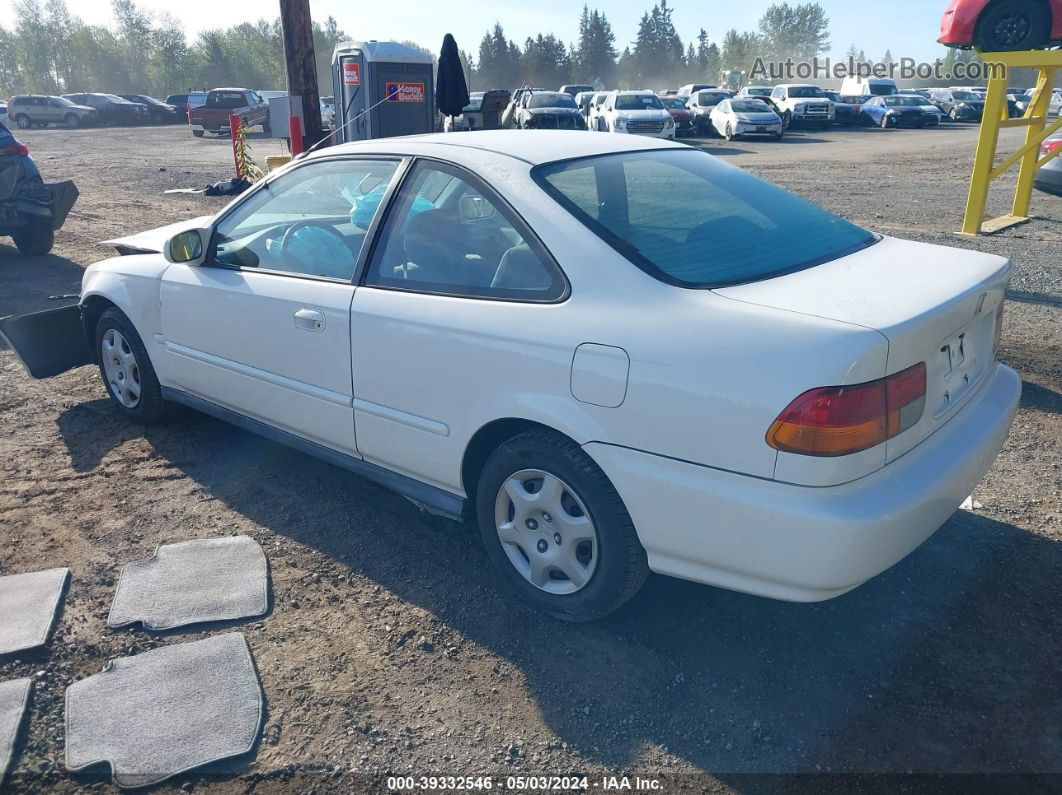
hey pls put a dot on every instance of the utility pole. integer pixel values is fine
(301, 65)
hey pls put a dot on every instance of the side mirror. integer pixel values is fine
(188, 246)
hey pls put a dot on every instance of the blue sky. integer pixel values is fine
(906, 27)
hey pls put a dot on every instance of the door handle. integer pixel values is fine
(310, 320)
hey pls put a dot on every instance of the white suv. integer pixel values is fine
(802, 103)
(635, 112)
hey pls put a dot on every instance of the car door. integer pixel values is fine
(262, 327)
(459, 292)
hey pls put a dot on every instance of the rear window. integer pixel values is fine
(694, 221)
(226, 99)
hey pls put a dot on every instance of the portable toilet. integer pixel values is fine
(382, 89)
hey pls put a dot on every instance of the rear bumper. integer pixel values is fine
(1049, 180)
(807, 544)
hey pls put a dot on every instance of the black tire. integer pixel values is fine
(953, 114)
(787, 119)
(23, 121)
(72, 120)
(621, 566)
(36, 238)
(729, 132)
(1013, 25)
(198, 133)
(266, 129)
(151, 407)
(885, 122)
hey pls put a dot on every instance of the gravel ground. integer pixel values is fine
(389, 647)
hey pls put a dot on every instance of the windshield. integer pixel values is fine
(904, 102)
(758, 92)
(638, 102)
(690, 219)
(749, 106)
(964, 95)
(671, 102)
(803, 92)
(544, 100)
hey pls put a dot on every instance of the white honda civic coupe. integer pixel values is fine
(619, 355)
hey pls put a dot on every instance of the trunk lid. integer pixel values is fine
(932, 303)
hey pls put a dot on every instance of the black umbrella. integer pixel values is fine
(451, 91)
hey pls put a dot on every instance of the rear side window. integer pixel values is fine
(695, 221)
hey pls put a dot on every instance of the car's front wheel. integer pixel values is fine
(126, 369)
(73, 121)
(556, 529)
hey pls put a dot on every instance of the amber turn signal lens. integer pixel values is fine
(841, 420)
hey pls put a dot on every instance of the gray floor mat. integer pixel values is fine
(160, 713)
(28, 604)
(14, 698)
(210, 579)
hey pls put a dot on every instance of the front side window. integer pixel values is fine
(311, 221)
(446, 234)
(692, 220)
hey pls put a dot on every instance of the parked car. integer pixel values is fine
(736, 118)
(700, 374)
(187, 101)
(701, 105)
(25, 110)
(221, 103)
(682, 116)
(552, 110)
(594, 109)
(933, 114)
(914, 92)
(1049, 175)
(959, 105)
(158, 112)
(897, 111)
(112, 109)
(758, 92)
(1054, 107)
(582, 101)
(576, 88)
(30, 211)
(467, 119)
(636, 113)
(803, 104)
(844, 112)
(874, 86)
(1002, 25)
(692, 88)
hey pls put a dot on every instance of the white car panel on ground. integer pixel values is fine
(511, 341)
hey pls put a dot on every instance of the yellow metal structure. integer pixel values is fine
(995, 118)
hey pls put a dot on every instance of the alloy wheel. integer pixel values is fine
(121, 368)
(546, 531)
(1012, 29)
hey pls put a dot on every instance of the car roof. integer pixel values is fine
(531, 146)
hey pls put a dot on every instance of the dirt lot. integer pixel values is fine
(389, 646)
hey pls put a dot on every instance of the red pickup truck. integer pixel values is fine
(213, 115)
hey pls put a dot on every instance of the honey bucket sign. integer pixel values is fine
(351, 73)
(404, 92)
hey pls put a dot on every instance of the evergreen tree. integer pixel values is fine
(595, 52)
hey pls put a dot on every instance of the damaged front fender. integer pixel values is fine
(48, 343)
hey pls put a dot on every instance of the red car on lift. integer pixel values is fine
(1002, 25)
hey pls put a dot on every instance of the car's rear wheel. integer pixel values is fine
(23, 121)
(36, 238)
(72, 120)
(126, 369)
(556, 529)
(1013, 25)
(729, 131)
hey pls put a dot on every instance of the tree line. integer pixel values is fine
(48, 49)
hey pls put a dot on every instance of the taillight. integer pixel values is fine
(1047, 147)
(841, 420)
(15, 149)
